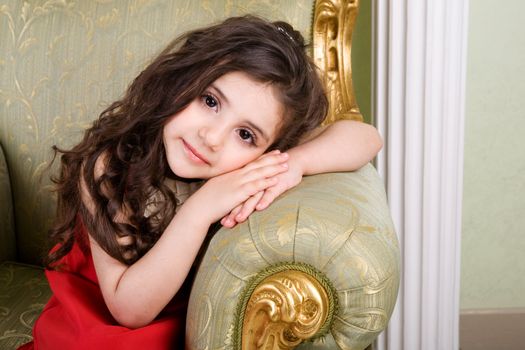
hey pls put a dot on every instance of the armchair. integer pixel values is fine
(318, 269)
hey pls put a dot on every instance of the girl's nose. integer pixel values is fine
(212, 136)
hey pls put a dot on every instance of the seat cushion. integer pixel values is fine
(23, 293)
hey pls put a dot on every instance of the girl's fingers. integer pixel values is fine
(229, 220)
(251, 188)
(266, 160)
(248, 207)
(268, 197)
(242, 211)
(265, 172)
(233, 214)
(274, 152)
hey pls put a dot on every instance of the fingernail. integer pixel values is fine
(285, 155)
(284, 165)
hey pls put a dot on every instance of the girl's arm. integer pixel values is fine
(345, 145)
(136, 294)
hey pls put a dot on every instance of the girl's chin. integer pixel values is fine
(187, 175)
(180, 170)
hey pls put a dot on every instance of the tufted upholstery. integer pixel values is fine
(62, 62)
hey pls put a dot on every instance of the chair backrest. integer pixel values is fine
(62, 63)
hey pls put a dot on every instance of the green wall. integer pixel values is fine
(493, 242)
(493, 232)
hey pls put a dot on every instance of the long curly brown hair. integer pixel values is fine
(129, 132)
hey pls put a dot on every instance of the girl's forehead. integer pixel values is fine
(250, 100)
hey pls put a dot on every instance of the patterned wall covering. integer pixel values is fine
(63, 61)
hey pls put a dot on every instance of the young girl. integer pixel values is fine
(220, 104)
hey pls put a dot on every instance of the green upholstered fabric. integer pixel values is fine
(62, 62)
(340, 224)
(7, 226)
(23, 293)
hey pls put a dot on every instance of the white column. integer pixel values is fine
(419, 92)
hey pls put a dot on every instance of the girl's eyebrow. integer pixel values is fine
(220, 93)
(250, 124)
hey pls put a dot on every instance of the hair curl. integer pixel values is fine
(128, 134)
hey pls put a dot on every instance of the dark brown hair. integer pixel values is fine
(128, 134)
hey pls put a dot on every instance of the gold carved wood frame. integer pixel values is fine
(333, 26)
(289, 307)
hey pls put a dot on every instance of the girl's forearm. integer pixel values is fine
(148, 285)
(136, 294)
(343, 146)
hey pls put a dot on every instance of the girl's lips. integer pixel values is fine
(193, 154)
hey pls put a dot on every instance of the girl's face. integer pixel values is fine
(231, 124)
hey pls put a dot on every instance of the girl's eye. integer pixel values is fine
(210, 101)
(247, 136)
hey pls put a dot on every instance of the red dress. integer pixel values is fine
(76, 316)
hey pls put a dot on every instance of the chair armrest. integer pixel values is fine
(333, 228)
(7, 225)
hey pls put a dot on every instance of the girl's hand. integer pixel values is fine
(262, 199)
(219, 195)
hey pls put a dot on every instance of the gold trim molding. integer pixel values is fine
(334, 22)
(285, 309)
(291, 306)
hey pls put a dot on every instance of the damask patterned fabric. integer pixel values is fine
(23, 293)
(63, 61)
(338, 223)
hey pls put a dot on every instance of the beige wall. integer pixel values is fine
(493, 242)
